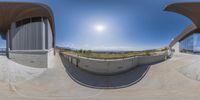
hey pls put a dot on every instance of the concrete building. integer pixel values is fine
(28, 29)
(189, 39)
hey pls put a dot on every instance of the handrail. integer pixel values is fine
(2, 50)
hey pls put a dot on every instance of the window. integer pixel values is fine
(18, 23)
(36, 19)
(191, 43)
(28, 20)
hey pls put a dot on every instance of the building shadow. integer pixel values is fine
(91, 80)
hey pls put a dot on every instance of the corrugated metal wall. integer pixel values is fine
(31, 36)
(49, 35)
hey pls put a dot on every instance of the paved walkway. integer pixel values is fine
(162, 81)
(15, 73)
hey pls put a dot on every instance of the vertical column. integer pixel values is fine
(7, 43)
(43, 34)
(46, 33)
(11, 35)
(49, 35)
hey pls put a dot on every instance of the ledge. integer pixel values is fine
(112, 66)
(30, 51)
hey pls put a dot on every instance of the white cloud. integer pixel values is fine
(69, 44)
(114, 48)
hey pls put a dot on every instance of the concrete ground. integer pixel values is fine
(172, 79)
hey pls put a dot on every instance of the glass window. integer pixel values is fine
(191, 43)
(36, 19)
(196, 42)
(28, 20)
(18, 23)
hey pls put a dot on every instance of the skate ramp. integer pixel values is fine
(115, 81)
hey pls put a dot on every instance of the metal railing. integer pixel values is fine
(2, 51)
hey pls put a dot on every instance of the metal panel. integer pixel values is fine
(49, 34)
(28, 37)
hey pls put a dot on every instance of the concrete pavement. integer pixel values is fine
(163, 80)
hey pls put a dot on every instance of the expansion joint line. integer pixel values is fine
(51, 98)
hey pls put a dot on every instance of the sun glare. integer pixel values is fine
(99, 28)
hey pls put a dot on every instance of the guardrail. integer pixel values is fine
(2, 51)
(114, 66)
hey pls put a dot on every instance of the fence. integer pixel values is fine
(2, 51)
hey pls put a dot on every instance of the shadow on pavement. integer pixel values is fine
(104, 81)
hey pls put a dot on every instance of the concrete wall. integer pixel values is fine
(175, 48)
(143, 60)
(108, 67)
(50, 58)
(33, 58)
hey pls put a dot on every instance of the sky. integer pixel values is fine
(114, 24)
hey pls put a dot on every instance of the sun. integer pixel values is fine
(99, 28)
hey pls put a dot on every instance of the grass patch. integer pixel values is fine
(112, 55)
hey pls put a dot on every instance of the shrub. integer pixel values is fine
(147, 53)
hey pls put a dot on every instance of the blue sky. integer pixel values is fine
(128, 24)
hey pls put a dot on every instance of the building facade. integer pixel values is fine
(189, 40)
(191, 43)
(29, 31)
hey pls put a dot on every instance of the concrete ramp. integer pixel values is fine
(97, 81)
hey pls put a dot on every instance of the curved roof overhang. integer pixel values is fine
(189, 30)
(190, 10)
(14, 11)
